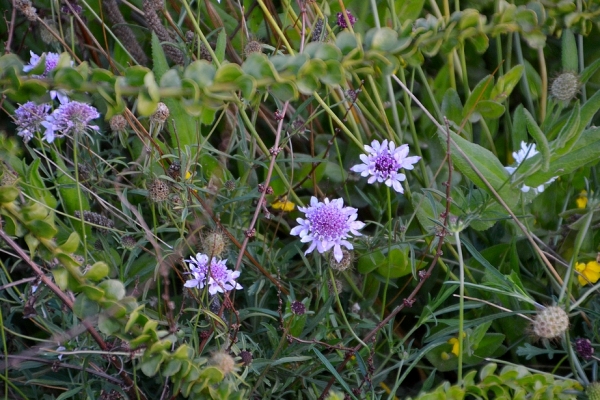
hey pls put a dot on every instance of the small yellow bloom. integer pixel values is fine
(188, 175)
(588, 273)
(454, 342)
(582, 199)
(284, 205)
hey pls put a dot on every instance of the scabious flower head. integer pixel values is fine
(527, 151)
(70, 118)
(550, 323)
(51, 63)
(383, 162)
(29, 118)
(341, 21)
(584, 348)
(588, 273)
(327, 225)
(213, 274)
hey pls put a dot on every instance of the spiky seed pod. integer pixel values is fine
(338, 287)
(246, 357)
(123, 31)
(565, 86)
(128, 242)
(345, 263)
(96, 219)
(214, 243)
(204, 53)
(298, 307)
(161, 114)
(158, 191)
(155, 23)
(593, 391)
(224, 362)
(550, 323)
(230, 185)
(319, 33)
(26, 9)
(253, 46)
(118, 123)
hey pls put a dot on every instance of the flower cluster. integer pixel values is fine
(588, 273)
(29, 118)
(341, 21)
(327, 225)
(70, 118)
(527, 151)
(383, 162)
(212, 273)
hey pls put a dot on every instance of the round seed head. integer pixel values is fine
(118, 123)
(161, 114)
(565, 86)
(213, 244)
(224, 362)
(550, 323)
(128, 242)
(246, 357)
(344, 263)
(158, 190)
(252, 47)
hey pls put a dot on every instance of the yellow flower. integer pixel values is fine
(582, 199)
(588, 273)
(284, 205)
(188, 175)
(454, 342)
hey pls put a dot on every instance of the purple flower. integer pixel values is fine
(51, 63)
(383, 162)
(328, 224)
(214, 275)
(69, 119)
(29, 117)
(584, 348)
(341, 21)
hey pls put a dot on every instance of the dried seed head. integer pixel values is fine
(45, 33)
(550, 323)
(565, 86)
(118, 123)
(319, 33)
(161, 114)
(213, 243)
(230, 185)
(175, 170)
(252, 47)
(204, 53)
(158, 190)
(96, 219)
(26, 9)
(128, 242)
(345, 263)
(338, 287)
(224, 362)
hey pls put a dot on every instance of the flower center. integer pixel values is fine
(328, 222)
(218, 273)
(385, 164)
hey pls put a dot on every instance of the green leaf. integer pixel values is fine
(108, 325)
(570, 60)
(247, 85)
(42, 229)
(8, 194)
(160, 64)
(228, 73)
(482, 91)
(83, 307)
(258, 66)
(134, 76)
(346, 42)
(114, 289)
(69, 77)
(98, 271)
(151, 365)
(71, 244)
(569, 134)
(201, 72)
(92, 292)
(452, 106)
(396, 263)
(211, 375)
(506, 83)
(172, 367)
(284, 91)
(36, 187)
(341, 381)
(221, 45)
(61, 277)
(540, 139)
(334, 74)
(489, 109)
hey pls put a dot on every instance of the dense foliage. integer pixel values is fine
(260, 199)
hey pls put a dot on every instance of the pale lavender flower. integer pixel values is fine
(341, 21)
(383, 162)
(51, 63)
(70, 118)
(29, 118)
(327, 225)
(527, 151)
(215, 275)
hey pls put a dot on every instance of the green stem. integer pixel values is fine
(461, 309)
(342, 313)
(390, 226)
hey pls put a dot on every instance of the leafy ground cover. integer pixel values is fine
(305, 200)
